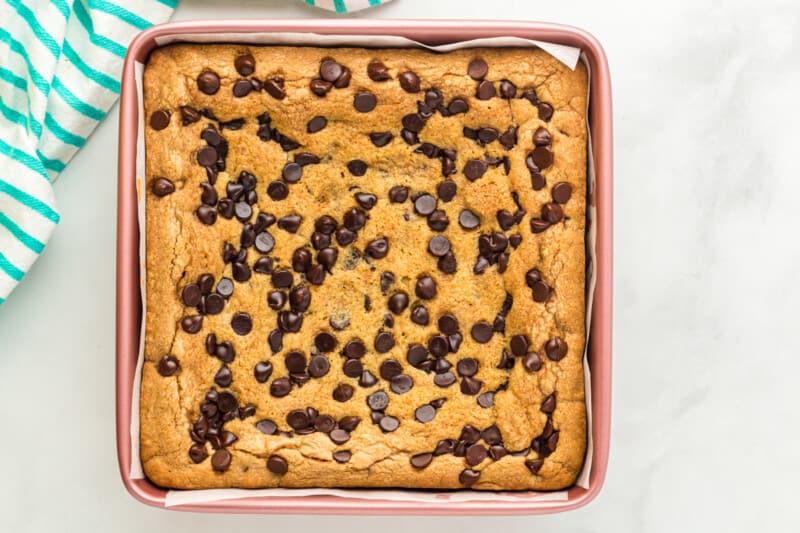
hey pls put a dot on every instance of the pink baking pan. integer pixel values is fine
(129, 316)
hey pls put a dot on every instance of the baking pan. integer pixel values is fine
(433, 32)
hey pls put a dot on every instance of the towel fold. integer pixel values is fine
(60, 66)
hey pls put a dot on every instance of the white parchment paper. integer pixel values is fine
(565, 54)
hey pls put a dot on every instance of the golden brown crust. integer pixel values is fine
(180, 248)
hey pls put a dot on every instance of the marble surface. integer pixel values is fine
(705, 426)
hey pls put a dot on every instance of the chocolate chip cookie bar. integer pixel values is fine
(365, 268)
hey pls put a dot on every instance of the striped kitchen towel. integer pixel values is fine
(60, 65)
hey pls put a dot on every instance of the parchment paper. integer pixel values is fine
(568, 56)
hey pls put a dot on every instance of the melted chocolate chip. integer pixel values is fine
(208, 82)
(409, 81)
(364, 102)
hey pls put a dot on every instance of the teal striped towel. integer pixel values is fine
(60, 64)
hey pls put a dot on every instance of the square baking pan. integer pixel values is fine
(433, 32)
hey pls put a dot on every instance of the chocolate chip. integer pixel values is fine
(541, 291)
(298, 419)
(208, 82)
(538, 226)
(223, 378)
(344, 79)
(439, 246)
(357, 167)
(485, 90)
(318, 366)
(542, 137)
(398, 302)
(381, 139)
(401, 384)
(275, 340)
(342, 456)
(390, 368)
(413, 122)
(487, 135)
(378, 400)
(290, 223)
(419, 315)
(468, 477)
(299, 299)
(446, 190)
(552, 213)
(409, 81)
(519, 345)
(352, 368)
(275, 89)
(366, 200)
(482, 332)
(457, 106)
(241, 323)
(282, 278)
(486, 400)
(264, 242)
(330, 70)
(515, 240)
(409, 137)
(508, 139)
(189, 115)
(477, 69)
(245, 64)
(207, 156)
(545, 111)
(416, 355)
(289, 322)
(438, 220)
(339, 436)
(542, 157)
(280, 387)
(398, 194)
(507, 89)
(221, 460)
(532, 362)
(262, 371)
(424, 204)
(444, 379)
(159, 119)
(467, 367)
(320, 87)
(421, 460)
(470, 386)
(364, 102)
(277, 190)
(214, 304)
(505, 219)
(162, 187)
(191, 324)
(556, 349)
(475, 454)
(378, 248)
(367, 379)
(292, 172)
(384, 341)
(277, 465)
(537, 181)
(345, 236)
(242, 88)
(389, 424)
(562, 192)
(377, 71)
(198, 453)
(468, 220)
(316, 124)
(342, 392)
(327, 258)
(474, 169)
(168, 365)
(224, 351)
(425, 288)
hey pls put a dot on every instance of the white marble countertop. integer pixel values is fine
(705, 425)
